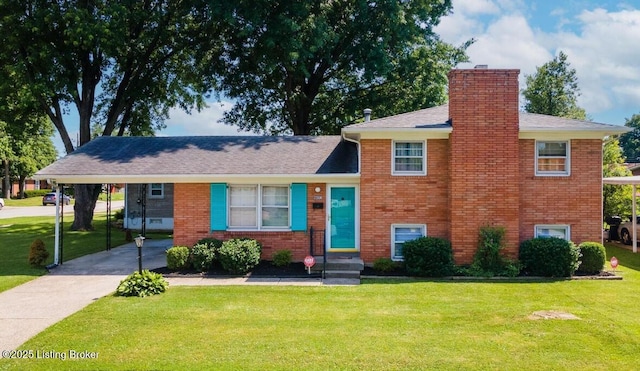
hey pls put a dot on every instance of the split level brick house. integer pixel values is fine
(444, 171)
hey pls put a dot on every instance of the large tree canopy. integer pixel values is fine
(630, 141)
(310, 67)
(616, 199)
(121, 63)
(553, 90)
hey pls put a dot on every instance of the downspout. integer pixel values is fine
(357, 143)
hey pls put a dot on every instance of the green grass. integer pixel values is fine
(381, 324)
(17, 234)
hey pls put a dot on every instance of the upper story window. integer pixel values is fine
(552, 158)
(156, 190)
(409, 158)
(560, 231)
(258, 206)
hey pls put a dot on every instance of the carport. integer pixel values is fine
(633, 181)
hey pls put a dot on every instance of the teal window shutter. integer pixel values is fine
(298, 207)
(218, 206)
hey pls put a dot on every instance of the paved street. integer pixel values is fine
(14, 211)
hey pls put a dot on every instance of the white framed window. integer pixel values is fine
(553, 230)
(553, 158)
(259, 207)
(401, 233)
(409, 158)
(156, 190)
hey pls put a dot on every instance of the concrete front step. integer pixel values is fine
(342, 274)
(339, 264)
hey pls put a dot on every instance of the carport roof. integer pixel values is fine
(203, 158)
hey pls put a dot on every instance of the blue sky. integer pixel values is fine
(601, 39)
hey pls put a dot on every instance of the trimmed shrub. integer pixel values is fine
(428, 257)
(239, 255)
(281, 258)
(36, 193)
(178, 258)
(202, 256)
(488, 260)
(384, 265)
(142, 284)
(213, 243)
(38, 254)
(119, 214)
(549, 257)
(593, 256)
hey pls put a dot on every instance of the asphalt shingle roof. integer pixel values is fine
(214, 155)
(438, 118)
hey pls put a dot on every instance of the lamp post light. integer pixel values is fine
(139, 242)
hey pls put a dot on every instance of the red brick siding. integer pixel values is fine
(575, 200)
(386, 199)
(192, 222)
(484, 171)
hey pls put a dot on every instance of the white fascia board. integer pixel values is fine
(398, 133)
(546, 134)
(204, 178)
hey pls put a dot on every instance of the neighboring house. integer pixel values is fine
(633, 167)
(444, 171)
(158, 198)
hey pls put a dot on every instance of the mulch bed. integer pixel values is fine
(298, 270)
(263, 269)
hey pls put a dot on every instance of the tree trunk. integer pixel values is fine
(21, 184)
(6, 181)
(86, 196)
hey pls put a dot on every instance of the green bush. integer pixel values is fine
(142, 284)
(488, 260)
(428, 257)
(178, 258)
(240, 255)
(119, 214)
(549, 257)
(36, 193)
(384, 265)
(38, 254)
(281, 258)
(202, 256)
(593, 256)
(213, 243)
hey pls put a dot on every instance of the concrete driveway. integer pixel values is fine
(30, 308)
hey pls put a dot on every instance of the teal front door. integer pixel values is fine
(343, 228)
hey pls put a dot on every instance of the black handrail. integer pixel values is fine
(312, 252)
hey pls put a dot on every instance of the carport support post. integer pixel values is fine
(634, 222)
(56, 242)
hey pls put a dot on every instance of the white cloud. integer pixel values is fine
(205, 122)
(602, 45)
(605, 54)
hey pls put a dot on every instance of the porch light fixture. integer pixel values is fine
(139, 242)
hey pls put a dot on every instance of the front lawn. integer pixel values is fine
(381, 324)
(17, 234)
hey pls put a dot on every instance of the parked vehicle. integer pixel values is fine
(50, 199)
(626, 231)
(1, 203)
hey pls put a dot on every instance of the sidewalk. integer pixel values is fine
(30, 308)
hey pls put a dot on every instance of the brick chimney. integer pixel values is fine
(484, 157)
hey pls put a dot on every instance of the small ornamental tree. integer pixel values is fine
(37, 253)
(488, 260)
